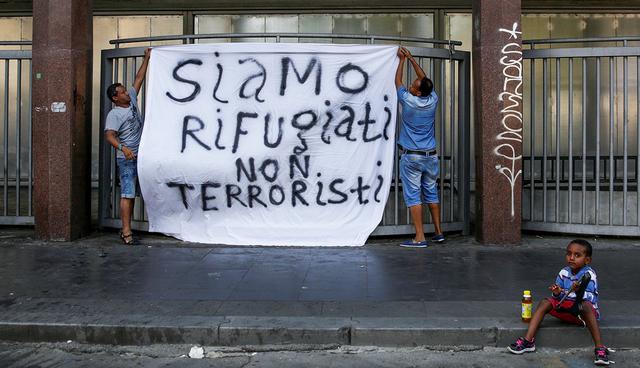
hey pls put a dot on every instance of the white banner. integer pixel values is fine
(268, 144)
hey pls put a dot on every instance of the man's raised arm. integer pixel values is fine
(419, 72)
(400, 70)
(142, 71)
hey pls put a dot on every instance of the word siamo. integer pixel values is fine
(350, 79)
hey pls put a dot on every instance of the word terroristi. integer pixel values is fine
(257, 185)
(345, 120)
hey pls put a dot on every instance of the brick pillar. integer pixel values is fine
(61, 116)
(497, 72)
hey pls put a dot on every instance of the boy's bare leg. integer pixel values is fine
(542, 309)
(592, 323)
(416, 216)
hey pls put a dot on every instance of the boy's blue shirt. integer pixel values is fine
(566, 279)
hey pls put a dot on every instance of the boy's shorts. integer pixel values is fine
(567, 316)
(128, 170)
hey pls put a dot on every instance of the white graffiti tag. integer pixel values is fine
(511, 96)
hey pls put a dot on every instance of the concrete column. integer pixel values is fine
(61, 116)
(497, 72)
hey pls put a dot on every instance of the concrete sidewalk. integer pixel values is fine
(461, 293)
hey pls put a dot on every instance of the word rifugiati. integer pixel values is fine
(345, 122)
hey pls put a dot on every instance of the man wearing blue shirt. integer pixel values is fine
(419, 164)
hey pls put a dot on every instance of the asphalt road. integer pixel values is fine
(71, 355)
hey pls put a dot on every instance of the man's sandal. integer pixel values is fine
(128, 239)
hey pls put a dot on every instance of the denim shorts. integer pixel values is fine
(419, 174)
(128, 170)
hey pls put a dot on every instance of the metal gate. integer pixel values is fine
(15, 104)
(581, 144)
(449, 69)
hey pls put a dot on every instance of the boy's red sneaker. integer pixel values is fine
(602, 355)
(522, 346)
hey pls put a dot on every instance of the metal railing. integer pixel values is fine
(16, 181)
(581, 149)
(189, 39)
(449, 69)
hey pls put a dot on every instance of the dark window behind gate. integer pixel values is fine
(16, 180)
(449, 70)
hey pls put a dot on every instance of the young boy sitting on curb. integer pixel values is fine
(575, 300)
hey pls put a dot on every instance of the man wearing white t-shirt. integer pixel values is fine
(123, 129)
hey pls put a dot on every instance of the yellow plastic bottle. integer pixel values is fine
(527, 304)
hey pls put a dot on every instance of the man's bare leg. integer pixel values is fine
(416, 216)
(126, 212)
(434, 209)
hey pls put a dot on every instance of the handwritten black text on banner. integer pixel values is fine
(273, 144)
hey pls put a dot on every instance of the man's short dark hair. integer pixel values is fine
(585, 244)
(426, 86)
(112, 90)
